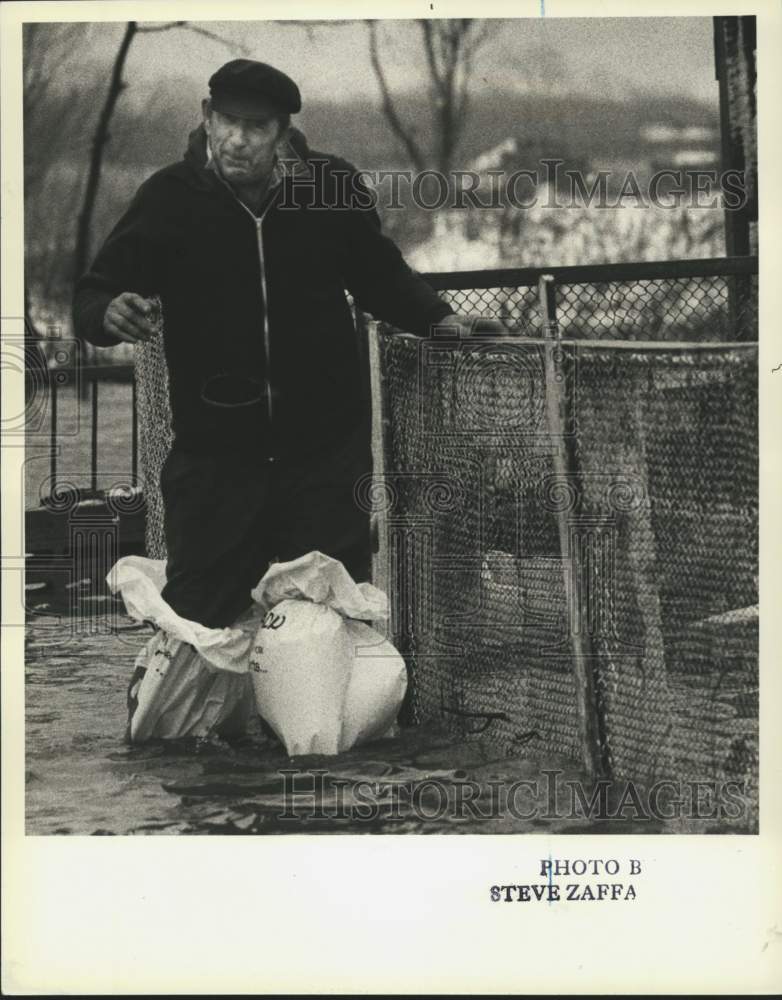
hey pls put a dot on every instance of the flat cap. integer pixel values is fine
(244, 87)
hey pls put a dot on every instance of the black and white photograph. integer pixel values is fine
(388, 454)
(408, 486)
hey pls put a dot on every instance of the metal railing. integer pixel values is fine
(87, 387)
(714, 299)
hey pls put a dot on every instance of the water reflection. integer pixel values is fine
(82, 779)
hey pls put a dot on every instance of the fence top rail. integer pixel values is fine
(660, 346)
(516, 277)
(126, 368)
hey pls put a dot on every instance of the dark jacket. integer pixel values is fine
(271, 314)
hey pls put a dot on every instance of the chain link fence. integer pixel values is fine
(571, 525)
(687, 301)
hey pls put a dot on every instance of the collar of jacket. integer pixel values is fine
(290, 160)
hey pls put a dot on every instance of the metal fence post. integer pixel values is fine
(94, 439)
(565, 467)
(379, 526)
(134, 430)
(53, 427)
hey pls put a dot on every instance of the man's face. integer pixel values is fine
(243, 147)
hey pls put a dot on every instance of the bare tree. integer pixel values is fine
(449, 50)
(49, 49)
(50, 121)
(99, 140)
(102, 135)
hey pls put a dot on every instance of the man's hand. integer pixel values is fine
(129, 317)
(465, 325)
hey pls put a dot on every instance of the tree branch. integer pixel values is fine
(481, 34)
(244, 49)
(389, 110)
(431, 58)
(161, 27)
(99, 140)
(196, 29)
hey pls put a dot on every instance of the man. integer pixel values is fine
(250, 243)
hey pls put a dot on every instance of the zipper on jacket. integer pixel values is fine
(258, 220)
(266, 338)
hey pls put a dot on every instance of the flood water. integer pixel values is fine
(82, 778)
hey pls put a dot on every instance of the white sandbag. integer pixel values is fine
(180, 695)
(377, 686)
(192, 679)
(322, 681)
(319, 578)
(140, 581)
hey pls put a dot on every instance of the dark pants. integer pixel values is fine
(228, 516)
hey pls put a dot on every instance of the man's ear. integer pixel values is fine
(284, 134)
(205, 109)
